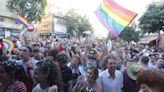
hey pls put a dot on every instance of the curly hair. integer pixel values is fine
(54, 74)
(152, 78)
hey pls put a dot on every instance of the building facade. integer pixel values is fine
(45, 26)
(8, 25)
(50, 21)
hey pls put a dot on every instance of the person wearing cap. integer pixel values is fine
(130, 76)
(111, 79)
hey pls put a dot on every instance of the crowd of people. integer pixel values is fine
(88, 65)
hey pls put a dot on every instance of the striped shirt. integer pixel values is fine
(16, 86)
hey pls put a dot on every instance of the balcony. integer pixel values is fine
(10, 25)
(8, 14)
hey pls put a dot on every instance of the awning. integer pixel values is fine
(148, 39)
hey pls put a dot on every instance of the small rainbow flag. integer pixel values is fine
(114, 17)
(8, 43)
(22, 20)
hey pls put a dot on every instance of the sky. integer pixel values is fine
(88, 7)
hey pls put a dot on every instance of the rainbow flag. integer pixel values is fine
(8, 43)
(114, 17)
(22, 20)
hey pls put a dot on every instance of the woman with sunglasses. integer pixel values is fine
(47, 76)
(10, 77)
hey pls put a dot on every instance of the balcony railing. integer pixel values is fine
(10, 25)
(8, 14)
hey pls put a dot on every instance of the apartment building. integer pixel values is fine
(54, 12)
(8, 25)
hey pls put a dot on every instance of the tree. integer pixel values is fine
(152, 19)
(32, 9)
(129, 34)
(76, 24)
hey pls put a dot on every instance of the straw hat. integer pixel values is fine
(133, 69)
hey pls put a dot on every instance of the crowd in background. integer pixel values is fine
(86, 65)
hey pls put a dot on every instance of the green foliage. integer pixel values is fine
(152, 19)
(32, 9)
(129, 34)
(75, 23)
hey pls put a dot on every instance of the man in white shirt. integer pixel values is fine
(111, 79)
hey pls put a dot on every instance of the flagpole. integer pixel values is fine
(129, 23)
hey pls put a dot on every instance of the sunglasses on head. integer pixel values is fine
(45, 64)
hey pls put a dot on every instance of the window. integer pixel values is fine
(1, 19)
(1, 29)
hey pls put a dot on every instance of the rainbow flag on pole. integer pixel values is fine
(114, 17)
(22, 20)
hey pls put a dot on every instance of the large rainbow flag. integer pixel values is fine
(22, 20)
(114, 17)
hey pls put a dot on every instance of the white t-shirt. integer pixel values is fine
(37, 88)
